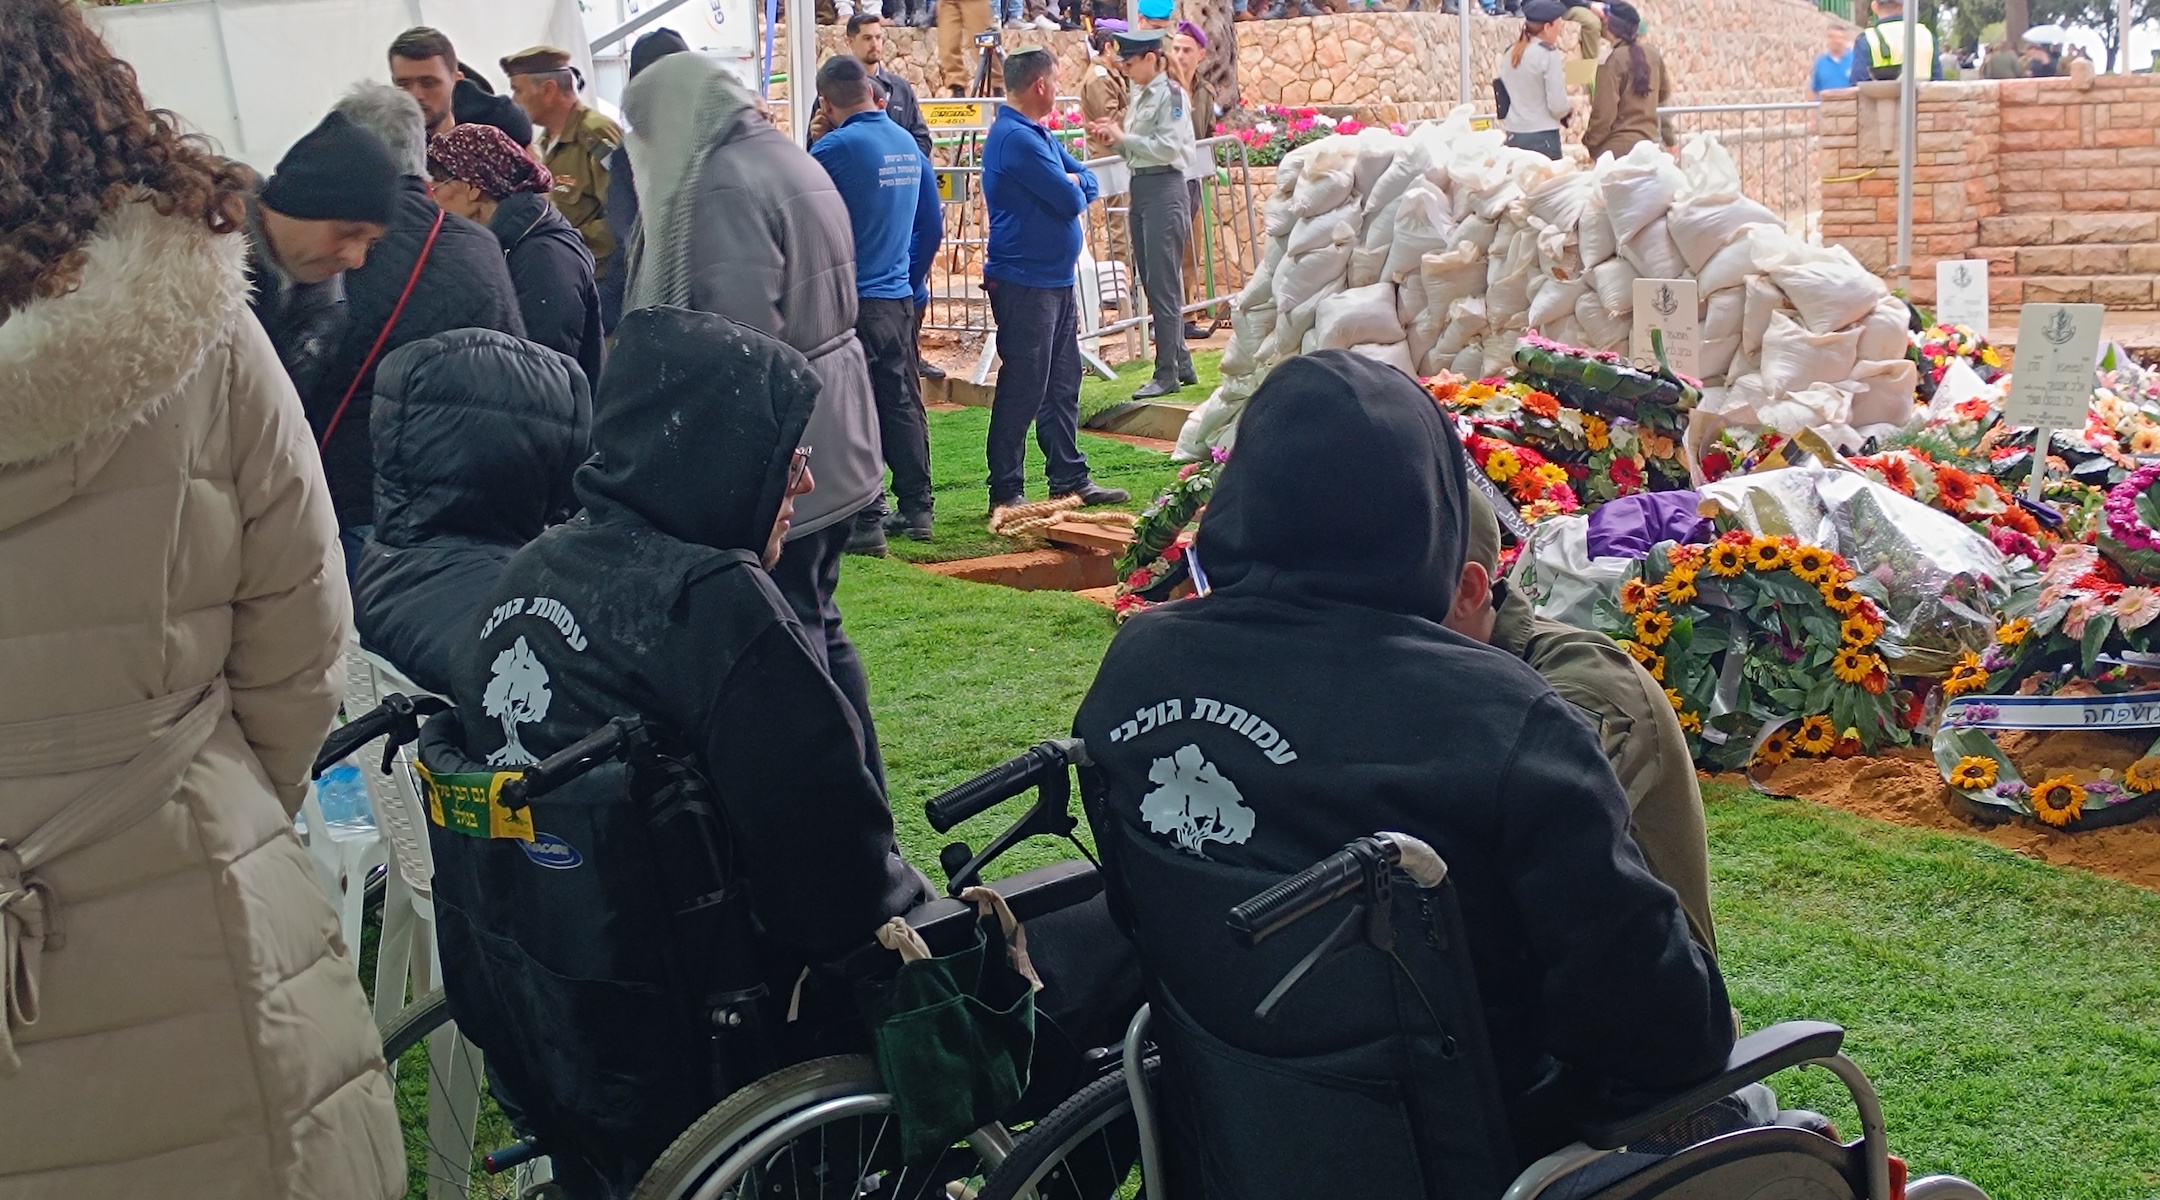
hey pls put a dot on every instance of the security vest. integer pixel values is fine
(1886, 49)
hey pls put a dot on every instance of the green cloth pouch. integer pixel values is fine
(954, 1038)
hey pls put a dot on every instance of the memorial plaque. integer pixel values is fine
(1961, 293)
(1669, 306)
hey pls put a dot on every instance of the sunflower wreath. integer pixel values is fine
(1748, 634)
(1984, 782)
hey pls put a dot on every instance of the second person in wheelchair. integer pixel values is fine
(1314, 696)
(652, 602)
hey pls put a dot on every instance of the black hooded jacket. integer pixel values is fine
(651, 602)
(476, 434)
(1313, 697)
(553, 273)
(464, 285)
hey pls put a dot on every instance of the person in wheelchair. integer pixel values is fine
(476, 434)
(653, 603)
(1313, 696)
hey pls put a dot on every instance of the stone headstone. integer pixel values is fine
(2052, 386)
(1670, 307)
(1961, 293)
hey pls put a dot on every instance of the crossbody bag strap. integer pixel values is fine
(395, 312)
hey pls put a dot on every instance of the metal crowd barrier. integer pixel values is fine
(1774, 147)
(1225, 240)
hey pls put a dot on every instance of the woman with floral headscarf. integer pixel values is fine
(482, 175)
(1631, 85)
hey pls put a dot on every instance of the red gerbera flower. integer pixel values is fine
(1715, 464)
(1625, 473)
(1955, 487)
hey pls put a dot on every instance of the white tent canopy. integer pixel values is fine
(256, 74)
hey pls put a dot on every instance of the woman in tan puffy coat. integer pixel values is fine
(181, 1016)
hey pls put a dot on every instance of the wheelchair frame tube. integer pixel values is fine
(1545, 1172)
(1143, 1105)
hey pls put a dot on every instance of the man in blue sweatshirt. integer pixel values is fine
(1037, 193)
(892, 204)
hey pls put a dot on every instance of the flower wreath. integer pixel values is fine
(1155, 560)
(1936, 347)
(1537, 485)
(1805, 625)
(1984, 780)
(1974, 497)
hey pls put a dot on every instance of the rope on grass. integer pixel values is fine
(1024, 523)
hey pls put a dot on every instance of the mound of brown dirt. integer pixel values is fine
(1904, 788)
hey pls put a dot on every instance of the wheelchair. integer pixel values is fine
(1106, 1141)
(825, 1126)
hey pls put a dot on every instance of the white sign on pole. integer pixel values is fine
(1667, 306)
(2052, 385)
(1961, 293)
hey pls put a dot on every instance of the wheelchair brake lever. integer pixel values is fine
(1051, 816)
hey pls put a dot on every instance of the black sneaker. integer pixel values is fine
(914, 526)
(1156, 387)
(1198, 333)
(867, 540)
(1094, 495)
(929, 370)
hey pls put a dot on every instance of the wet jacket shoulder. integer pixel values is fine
(476, 435)
(552, 272)
(1640, 735)
(465, 284)
(1313, 697)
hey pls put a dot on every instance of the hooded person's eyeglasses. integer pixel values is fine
(798, 466)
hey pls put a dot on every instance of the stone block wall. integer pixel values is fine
(2055, 181)
(1393, 66)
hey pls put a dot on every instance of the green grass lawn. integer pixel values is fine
(960, 473)
(1097, 393)
(2008, 1011)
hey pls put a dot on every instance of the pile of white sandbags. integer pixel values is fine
(1436, 250)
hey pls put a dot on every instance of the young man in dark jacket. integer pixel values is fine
(482, 175)
(463, 284)
(476, 434)
(1313, 697)
(654, 602)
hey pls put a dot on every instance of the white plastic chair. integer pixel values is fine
(405, 955)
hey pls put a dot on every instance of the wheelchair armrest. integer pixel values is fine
(946, 925)
(1754, 1058)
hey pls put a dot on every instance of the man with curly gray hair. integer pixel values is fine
(457, 279)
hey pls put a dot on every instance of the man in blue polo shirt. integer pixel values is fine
(892, 204)
(1037, 193)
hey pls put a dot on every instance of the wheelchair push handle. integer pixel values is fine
(614, 740)
(1004, 781)
(1346, 871)
(398, 715)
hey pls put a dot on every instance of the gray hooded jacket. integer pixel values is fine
(735, 219)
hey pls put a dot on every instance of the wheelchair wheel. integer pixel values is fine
(450, 1123)
(1088, 1148)
(823, 1128)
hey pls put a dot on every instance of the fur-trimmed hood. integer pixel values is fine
(158, 294)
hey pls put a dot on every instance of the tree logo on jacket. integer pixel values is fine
(517, 695)
(1194, 804)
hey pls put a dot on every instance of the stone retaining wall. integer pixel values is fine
(1402, 66)
(2055, 181)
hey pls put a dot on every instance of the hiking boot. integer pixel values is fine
(1156, 387)
(1094, 495)
(915, 526)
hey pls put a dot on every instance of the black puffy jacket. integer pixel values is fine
(476, 434)
(1313, 697)
(553, 274)
(464, 285)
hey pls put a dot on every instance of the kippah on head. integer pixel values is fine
(842, 80)
(1026, 65)
(337, 171)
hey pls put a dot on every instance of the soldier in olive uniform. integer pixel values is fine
(1156, 141)
(1636, 723)
(575, 141)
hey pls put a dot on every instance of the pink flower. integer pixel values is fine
(2082, 609)
(2136, 608)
